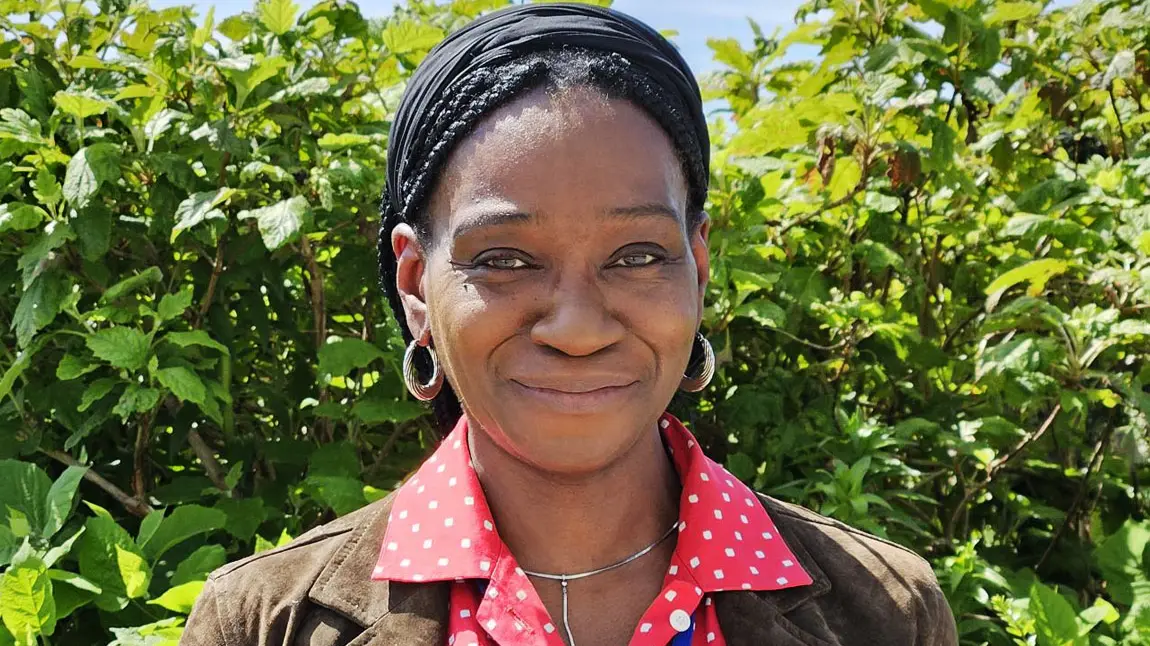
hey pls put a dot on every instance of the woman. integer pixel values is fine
(544, 247)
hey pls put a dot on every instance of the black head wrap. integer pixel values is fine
(518, 30)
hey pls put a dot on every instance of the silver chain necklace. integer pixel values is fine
(564, 578)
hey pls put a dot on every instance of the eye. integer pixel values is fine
(505, 262)
(636, 260)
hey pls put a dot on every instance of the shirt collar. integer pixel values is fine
(441, 528)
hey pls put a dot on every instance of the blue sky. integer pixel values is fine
(695, 20)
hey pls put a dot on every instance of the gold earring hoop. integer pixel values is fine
(697, 382)
(427, 391)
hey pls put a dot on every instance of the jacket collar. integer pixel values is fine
(415, 614)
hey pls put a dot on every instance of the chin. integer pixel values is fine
(572, 444)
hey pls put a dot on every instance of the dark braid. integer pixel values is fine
(457, 113)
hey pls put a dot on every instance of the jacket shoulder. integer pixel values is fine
(255, 600)
(810, 524)
(867, 577)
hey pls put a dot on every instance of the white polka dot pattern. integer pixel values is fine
(441, 529)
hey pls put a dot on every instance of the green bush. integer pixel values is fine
(929, 297)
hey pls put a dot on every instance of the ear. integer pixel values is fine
(699, 237)
(410, 261)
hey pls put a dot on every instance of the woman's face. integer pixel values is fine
(561, 285)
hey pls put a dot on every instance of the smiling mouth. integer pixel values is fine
(576, 390)
(579, 398)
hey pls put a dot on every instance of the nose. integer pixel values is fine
(578, 321)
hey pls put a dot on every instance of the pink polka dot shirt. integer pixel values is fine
(441, 529)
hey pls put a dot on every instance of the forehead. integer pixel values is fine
(573, 153)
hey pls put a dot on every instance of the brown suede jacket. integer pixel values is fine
(317, 591)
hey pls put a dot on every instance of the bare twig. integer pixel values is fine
(854, 192)
(217, 269)
(208, 459)
(1118, 116)
(134, 506)
(315, 289)
(995, 466)
(319, 317)
(140, 457)
(1096, 460)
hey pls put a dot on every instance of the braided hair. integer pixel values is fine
(482, 92)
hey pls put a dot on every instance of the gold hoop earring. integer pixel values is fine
(427, 391)
(695, 383)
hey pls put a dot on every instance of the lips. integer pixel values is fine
(575, 385)
(577, 394)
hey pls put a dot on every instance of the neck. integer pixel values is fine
(566, 525)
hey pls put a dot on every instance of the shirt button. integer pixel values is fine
(680, 620)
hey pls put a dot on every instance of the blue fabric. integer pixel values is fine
(684, 638)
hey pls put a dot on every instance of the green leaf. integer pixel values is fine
(45, 188)
(741, 466)
(1054, 617)
(183, 383)
(71, 367)
(110, 559)
(878, 256)
(17, 125)
(136, 399)
(728, 51)
(279, 222)
(122, 347)
(247, 72)
(1005, 12)
(8, 545)
(236, 28)
(1120, 557)
(174, 305)
(88, 170)
(244, 516)
(74, 580)
(200, 564)
(132, 284)
(149, 525)
(82, 104)
(277, 15)
(763, 312)
(339, 358)
(343, 495)
(181, 598)
(1121, 67)
(15, 216)
(183, 523)
(40, 255)
(38, 307)
(160, 123)
(195, 337)
(1035, 272)
(93, 228)
(60, 498)
(96, 391)
(772, 129)
(27, 605)
(333, 141)
(200, 207)
(376, 411)
(406, 36)
(203, 33)
(71, 591)
(24, 488)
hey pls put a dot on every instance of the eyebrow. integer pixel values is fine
(494, 218)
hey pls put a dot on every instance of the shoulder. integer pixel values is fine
(258, 595)
(818, 532)
(864, 575)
